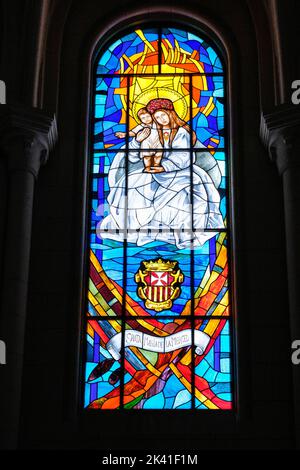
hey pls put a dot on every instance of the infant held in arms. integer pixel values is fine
(147, 135)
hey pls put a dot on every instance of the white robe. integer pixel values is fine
(158, 205)
(152, 141)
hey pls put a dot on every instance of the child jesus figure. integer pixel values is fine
(146, 134)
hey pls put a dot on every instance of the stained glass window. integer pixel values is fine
(158, 320)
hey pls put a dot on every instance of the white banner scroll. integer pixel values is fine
(161, 344)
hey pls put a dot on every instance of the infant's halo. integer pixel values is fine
(179, 101)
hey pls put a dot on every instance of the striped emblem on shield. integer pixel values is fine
(158, 293)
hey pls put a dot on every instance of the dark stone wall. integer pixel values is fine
(50, 414)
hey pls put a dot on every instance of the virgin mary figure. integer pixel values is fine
(176, 201)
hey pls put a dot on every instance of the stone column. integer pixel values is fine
(280, 133)
(26, 137)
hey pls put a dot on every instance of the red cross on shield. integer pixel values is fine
(159, 278)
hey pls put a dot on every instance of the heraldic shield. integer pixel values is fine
(159, 283)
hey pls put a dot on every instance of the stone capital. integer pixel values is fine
(280, 133)
(27, 135)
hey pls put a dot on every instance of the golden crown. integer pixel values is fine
(159, 265)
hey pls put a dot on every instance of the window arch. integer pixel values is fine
(158, 316)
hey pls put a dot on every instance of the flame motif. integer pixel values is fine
(174, 59)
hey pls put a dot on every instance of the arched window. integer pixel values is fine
(158, 317)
